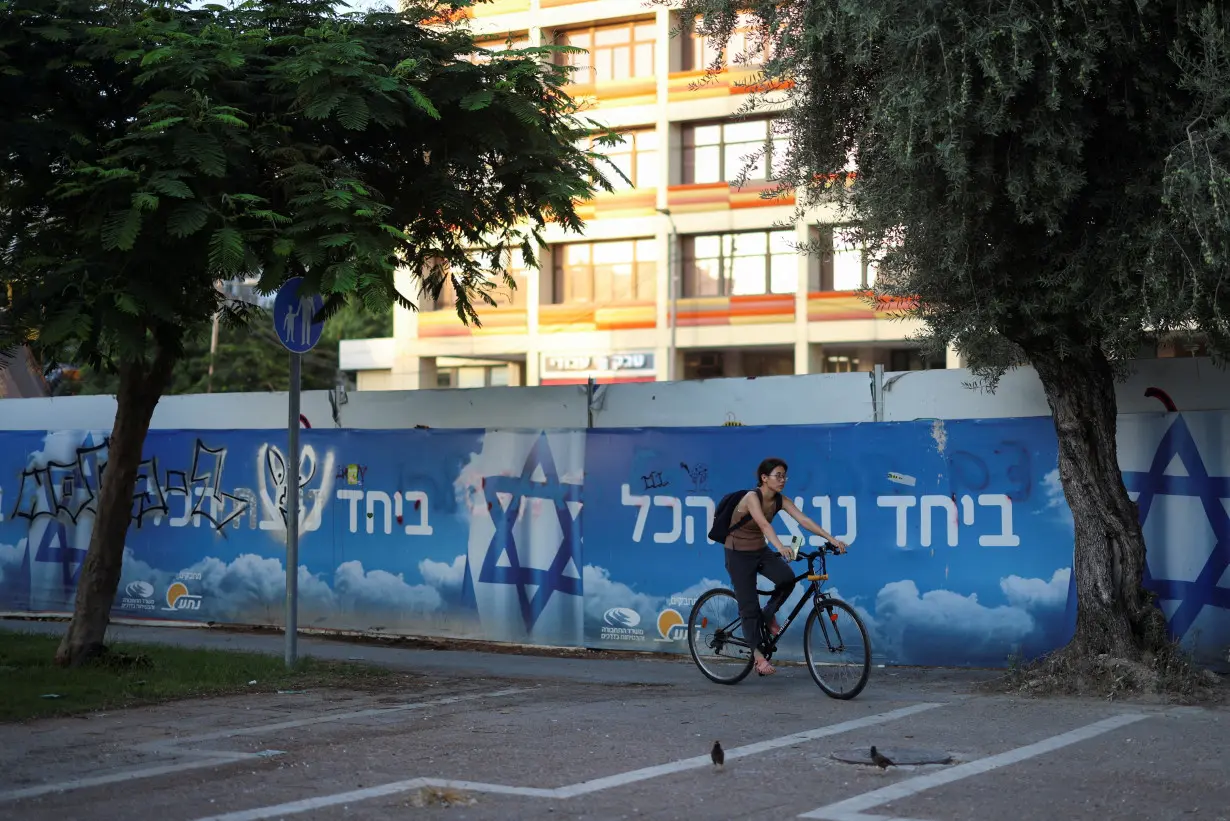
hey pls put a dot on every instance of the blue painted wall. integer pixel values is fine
(960, 538)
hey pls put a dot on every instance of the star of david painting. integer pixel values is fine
(1183, 511)
(533, 550)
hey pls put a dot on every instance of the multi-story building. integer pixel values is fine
(746, 301)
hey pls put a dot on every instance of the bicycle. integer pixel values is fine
(729, 636)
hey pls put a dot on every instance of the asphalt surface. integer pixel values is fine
(500, 736)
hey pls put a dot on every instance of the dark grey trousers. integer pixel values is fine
(743, 565)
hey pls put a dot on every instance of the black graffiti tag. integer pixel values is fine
(70, 489)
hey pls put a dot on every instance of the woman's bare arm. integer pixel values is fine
(806, 523)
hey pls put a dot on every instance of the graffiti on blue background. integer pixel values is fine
(960, 537)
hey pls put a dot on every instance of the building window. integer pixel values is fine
(603, 272)
(636, 156)
(721, 152)
(622, 51)
(913, 359)
(753, 262)
(745, 47)
(504, 296)
(484, 47)
(704, 365)
(768, 363)
(846, 267)
(473, 376)
(841, 363)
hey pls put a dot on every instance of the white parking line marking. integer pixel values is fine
(582, 788)
(320, 802)
(305, 722)
(738, 752)
(215, 760)
(851, 809)
(218, 758)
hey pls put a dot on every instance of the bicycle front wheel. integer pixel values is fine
(837, 649)
(715, 638)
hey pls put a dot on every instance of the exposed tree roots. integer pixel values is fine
(1169, 674)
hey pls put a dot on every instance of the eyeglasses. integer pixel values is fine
(779, 476)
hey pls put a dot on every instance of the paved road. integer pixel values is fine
(529, 738)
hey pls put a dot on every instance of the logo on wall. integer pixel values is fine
(138, 596)
(178, 598)
(140, 590)
(620, 624)
(671, 626)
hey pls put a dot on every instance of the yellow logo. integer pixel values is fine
(178, 598)
(175, 591)
(671, 625)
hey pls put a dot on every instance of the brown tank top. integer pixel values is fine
(750, 537)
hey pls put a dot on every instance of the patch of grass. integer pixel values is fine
(129, 675)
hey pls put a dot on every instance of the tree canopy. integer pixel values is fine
(1040, 182)
(247, 359)
(153, 149)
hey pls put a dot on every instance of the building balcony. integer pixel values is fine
(634, 202)
(495, 8)
(635, 91)
(683, 86)
(588, 316)
(720, 196)
(505, 320)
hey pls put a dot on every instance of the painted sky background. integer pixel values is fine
(558, 537)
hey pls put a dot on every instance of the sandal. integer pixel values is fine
(764, 668)
(774, 628)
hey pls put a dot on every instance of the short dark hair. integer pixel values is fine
(768, 466)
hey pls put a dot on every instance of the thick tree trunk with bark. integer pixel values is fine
(1115, 615)
(141, 386)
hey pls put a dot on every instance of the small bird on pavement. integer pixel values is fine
(719, 757)
(880, 760)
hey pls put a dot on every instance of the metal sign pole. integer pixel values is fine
(292, 513)
(293, 317)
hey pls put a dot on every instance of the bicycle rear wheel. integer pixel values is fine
(715, 638)
(840, 660)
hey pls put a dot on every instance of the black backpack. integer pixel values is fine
(725, 509)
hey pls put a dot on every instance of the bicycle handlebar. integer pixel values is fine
(827, 548)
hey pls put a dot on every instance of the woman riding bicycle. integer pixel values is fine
(748, 553)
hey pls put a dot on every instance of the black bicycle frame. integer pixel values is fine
(813, 593)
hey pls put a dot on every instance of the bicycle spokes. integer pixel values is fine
(837, 649)
(715, 638)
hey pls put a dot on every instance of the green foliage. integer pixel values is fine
(149, 150)
(1012, 161)
(251, 358)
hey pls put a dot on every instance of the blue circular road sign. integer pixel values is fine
(292, 317)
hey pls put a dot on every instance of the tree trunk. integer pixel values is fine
(1114, 613)
(141, 386)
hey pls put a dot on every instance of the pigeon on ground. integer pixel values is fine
(719, 757)
(879, 760)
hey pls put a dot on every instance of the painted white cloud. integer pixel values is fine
(445, 577)
(603, 593)
(257, 583)
(1052, 486)
(378, 590)
(694, 591)
(940, 623)
(1038, 594)
(248, 588)
(10, 559)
